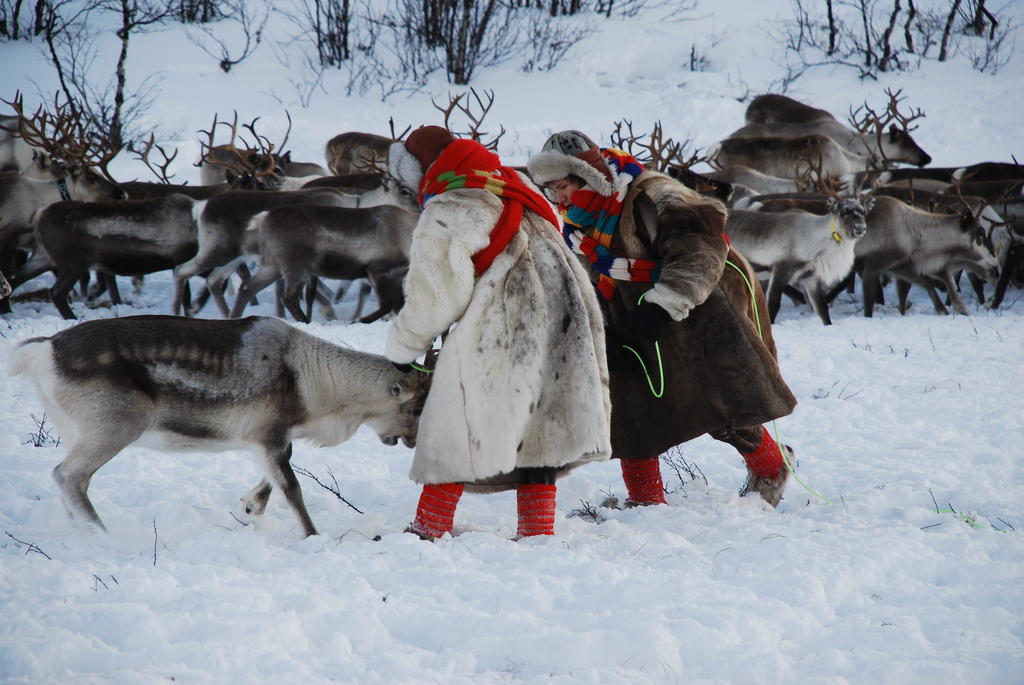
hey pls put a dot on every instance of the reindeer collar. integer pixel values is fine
(835, 234)
(62, 186)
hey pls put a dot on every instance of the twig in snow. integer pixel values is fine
(336, 490)
(155, 538)
(586, 511)
(29, 546)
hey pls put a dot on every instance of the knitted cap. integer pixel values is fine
(427, 142)
(571, 152)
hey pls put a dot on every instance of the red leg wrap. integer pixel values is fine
(766, 461)
(643, 480)
(536, 505)
(436, 511)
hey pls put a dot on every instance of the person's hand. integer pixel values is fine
(648, 320)
(404, 368)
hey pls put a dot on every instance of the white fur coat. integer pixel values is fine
(522, 379)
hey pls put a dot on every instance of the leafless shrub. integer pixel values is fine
(552, 37)
(684, 471)
(44, 435)
(875, 36)
(249, 19)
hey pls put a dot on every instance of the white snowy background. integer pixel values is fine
(906, 426)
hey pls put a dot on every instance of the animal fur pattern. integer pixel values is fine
(176, 384)
(529, 331)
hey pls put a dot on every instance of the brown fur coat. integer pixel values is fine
(719, 372)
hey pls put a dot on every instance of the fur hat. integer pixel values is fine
(572, 152)
(408, 160)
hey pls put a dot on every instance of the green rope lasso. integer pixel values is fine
(643, 365)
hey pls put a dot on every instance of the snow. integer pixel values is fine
(905, 427)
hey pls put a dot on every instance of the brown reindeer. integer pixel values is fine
(303, 243)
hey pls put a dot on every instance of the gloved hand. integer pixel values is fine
(404, 368)
(648, 320)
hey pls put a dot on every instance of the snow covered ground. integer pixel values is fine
(901, 560)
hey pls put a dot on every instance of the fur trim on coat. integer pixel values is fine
(522, 379)
(404, 167)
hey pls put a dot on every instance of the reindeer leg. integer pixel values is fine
(279, 472)
(217, 283)
(1010, 266)
(816, 297)
(954, 294)
(59, 294)
(929, 287)
(311, 287)
(292, 290)
(902, 290)
(780, 275)
(255, 500)
(110, 280)
(87, 455)
(264, 276)
(978, 286)
(182, 273)
(871, 290)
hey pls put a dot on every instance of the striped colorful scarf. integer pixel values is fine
(468, 164)
(590, 222)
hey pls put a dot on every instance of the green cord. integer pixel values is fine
(661, 369)
(775, 426)
(421, 368)
(753, 299)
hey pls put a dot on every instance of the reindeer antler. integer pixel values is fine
(657, 151)
(259, 162)
(63, 135)
(160, 170)
(813, 179)
(866, 121)
(475, 120)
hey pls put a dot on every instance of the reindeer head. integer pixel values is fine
(852, 214)
(892, 144)
(410, 390)
(66, 149)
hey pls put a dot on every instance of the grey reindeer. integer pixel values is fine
(176, 384)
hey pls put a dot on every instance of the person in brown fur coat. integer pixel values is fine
(688, 351)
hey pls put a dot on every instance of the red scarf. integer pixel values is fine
(468, 164)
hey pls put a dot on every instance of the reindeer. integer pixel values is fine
(188, 384)
(120, 237)
(221, 223)
(355, 152)
(302, 243)
(5, 287)
(772, 108)
(922, 247)
(815, 249)
(754, 181)
(885, 137)
(788, 156)
(221, 163)
(72, 163)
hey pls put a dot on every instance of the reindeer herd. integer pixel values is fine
(813, 201)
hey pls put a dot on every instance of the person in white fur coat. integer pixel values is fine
(519, 395)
